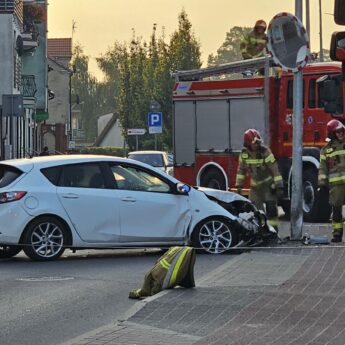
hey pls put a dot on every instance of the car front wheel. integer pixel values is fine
(214, 235)
(45, 239)
(9, 251)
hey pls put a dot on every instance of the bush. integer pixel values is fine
(107, 151)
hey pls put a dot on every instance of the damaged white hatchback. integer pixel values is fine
(48, 204)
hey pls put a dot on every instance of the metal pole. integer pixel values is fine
(70, 106)
(155, 141)
(307, 17)
(137, 142)
(320, 20)
(297, 184)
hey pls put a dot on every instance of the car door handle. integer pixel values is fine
(128, 199)
(70, 196)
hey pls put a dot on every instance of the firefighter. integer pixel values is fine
(332, 174)
(266, 184)
(175, 267)
(253, 44)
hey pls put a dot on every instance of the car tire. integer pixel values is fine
(214, 235)
(45, 239)
(9, 251)
(213, 179)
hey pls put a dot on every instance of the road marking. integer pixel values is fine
(44, 279)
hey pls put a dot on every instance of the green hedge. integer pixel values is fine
(107, 150)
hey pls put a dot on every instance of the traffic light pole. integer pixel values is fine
(297, 147)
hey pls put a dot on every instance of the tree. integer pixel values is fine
(184, 49)
(138, 72)
(85, 86)
(230, 50)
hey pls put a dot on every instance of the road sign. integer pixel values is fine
(71, 144)
(155, 122)
(136, 131)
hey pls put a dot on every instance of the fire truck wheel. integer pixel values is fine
(315, 206)
(214, 235)
(213, 178)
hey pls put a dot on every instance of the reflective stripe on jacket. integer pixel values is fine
(332, 164)
(175, 267)
(253, 45)
(260, 165)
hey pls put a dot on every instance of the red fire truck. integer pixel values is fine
(212, 107)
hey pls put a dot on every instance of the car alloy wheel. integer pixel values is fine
(215, 236)
(44, 239)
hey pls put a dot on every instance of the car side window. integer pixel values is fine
(133, 178)
(87, 175)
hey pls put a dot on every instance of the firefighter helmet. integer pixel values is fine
(260, 23)
(334, 126)
(251, 136)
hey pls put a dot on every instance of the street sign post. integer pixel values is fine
(155, 120)
(288, 44)
(136, 132)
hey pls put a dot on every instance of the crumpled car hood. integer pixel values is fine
(222, 195)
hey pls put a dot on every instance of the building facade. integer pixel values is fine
(23, 70)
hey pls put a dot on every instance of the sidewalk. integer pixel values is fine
(288, 294)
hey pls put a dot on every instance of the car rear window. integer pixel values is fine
(52, 174)
(155, 160)
(8, 174)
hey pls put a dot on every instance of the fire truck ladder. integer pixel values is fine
(227, 68)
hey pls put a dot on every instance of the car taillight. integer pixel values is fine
(11, 196)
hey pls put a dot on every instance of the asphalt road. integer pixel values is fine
(52, 302)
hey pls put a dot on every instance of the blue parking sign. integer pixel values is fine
(155, 122)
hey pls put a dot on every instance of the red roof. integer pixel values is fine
(60, 47)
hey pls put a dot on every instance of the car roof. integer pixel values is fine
(146, 152)
(26, 164)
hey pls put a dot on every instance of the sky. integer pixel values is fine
(99, 23)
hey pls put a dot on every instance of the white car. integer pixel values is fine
(157, 159)
(48, 204)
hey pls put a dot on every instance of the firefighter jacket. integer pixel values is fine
(175, 267)
(332, 164)
(261, 166)
(253, 45)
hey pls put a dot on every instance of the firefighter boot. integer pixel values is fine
(337, 236)
(337, 224)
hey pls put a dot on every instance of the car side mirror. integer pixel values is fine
(182, 188)
(337, 51)
(169, 165)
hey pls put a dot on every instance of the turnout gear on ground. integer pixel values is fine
(175, 267)
(253, 44)
(265, 180)
(332, 175)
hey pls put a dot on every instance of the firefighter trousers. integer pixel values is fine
(262, 196)
(337, 200)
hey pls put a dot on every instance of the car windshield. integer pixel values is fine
(154, 159)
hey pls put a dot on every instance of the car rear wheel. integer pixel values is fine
(45, 239)
(9, 251)
(214, 235)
